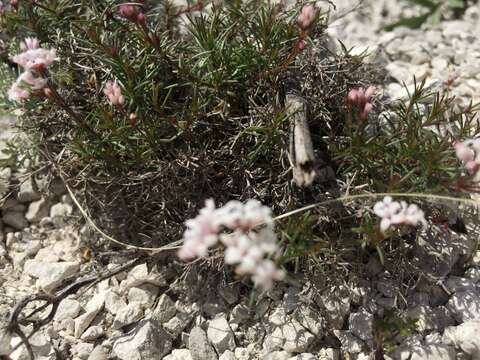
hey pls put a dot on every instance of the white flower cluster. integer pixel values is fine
(245, 247)
(34, 60)
(396, 213)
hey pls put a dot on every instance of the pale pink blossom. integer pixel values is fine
(361, 99)
(397, 213)
(25, 85)
(4, 8)
(468, 153)
(306, 17)
(36, 58)
(245, 216)
(114, 93)
(201, 234)
(266, 273)
(246, 246)
(29, 44)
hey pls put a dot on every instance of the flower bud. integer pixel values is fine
(128, 11)
(133, 119)
(307, 17)
(141, 18)
(301, 45)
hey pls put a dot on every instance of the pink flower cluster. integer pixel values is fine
(33, 56)
(131, 12)
(114, 93)
(306, 17)
(7, 6)
(34, 60)
(245, 247)
(467, 151)
(361, 99)
(397, 213)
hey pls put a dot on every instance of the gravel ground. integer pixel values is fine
(143, 313)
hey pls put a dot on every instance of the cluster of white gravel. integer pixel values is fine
(143, 313)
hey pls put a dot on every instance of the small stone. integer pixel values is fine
(57, 187)
(456, 283)
(15, 219)
(46, 222)
(361, 325)
(336, 302)
(262, 308)
(113, 302)
(179, 354)
(220, 335)
(430, 319)
(68, 308)
(386, 288)
(83, 322)
(433, 352)
(99, 353)
(227, 355)
(304, 356)
(37, 210)
(278, 317)
(199, 347)
(473, 274)
(291, 299)
(176, 324)
(5, 341)
(242, 353)
(165, 309)
(310, 319)
(465, 305)
(27, 192)
(239, 314)
(144, 294)
(50, 275)
(60, 210)
(329, 354)
(82, 350)
(229, 294)
(47, 254)
(277, 355)
(297, 338)
(349, 342)
(128, 315)
(145, 341)
(465, 337)
(92, 333)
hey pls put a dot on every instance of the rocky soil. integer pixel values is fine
(155, 312)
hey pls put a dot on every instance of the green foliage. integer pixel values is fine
(392, 324)
(170, 84)
(7, 77)
(434, 12)
(409, 149)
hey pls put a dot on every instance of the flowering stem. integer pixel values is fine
(55, 96)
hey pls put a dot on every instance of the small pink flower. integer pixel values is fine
(464, 152)
(244, 247)
(361, 99)
(397, 213)
(306, 17)
(141, 18)
(301, 44)
(114, 93)
(25, 85)
(35, 58)
(266, 273)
